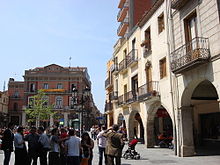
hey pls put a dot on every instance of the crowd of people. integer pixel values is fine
(63, 145)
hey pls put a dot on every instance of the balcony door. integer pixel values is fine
(149, 78)
(134, 83)
(133, 48)
(191, 34)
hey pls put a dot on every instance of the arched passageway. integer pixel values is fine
(201, 120)
(159, 128)
(136, 128)
(206, 119)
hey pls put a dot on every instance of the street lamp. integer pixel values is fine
(80, 103)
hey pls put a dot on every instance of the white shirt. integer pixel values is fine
(73, 145)
(18, 141)
(101, 139)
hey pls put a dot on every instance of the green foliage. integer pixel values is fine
(39, 108)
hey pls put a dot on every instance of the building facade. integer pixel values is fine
(3, 109)
(58, 83)
(164, 78)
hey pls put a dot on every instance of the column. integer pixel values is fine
(23, 119)
(186, 131)
(65, 114)
(51, 121)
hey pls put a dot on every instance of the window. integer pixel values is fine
(15, 106)
(190, 24)
(163, 70)
(30, 102)
(45, 86)
(147, 40)
(32, 87)
(16, 94)
(134, 83)
(161, 23)
(45, 101)
(59, 102)
(59, 86)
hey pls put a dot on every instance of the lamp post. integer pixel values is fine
(80, 103)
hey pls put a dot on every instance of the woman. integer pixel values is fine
(87, 145)
(54, 158)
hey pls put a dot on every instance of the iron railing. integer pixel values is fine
(132, 57)
(114, 95)
(125, 6)
(148, 89)
(177, 4)
(107, 82)
(120, 99)
(108, 106)
(122, 65)
(192, 53)
(125, 22)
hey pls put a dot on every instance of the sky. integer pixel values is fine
(37, 33)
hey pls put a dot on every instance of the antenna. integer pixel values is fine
(4, 87)
(70, 58)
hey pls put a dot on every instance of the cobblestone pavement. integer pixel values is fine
(154, 156)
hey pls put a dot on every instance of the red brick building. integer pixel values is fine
(58, 83)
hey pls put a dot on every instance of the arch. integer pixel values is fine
(136, 127)
(198, 103)
(158, 118)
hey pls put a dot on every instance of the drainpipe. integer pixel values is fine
(170, 43)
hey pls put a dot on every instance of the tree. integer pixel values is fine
(39, 108)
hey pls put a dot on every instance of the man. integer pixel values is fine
(33, 146)
(72, 148)
(20, 148)
(114, 145)
(7, 143)
(101, 140)
(44, 143)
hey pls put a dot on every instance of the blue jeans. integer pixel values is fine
(101, 153)
(7, 154)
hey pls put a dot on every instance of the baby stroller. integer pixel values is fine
(131, 152)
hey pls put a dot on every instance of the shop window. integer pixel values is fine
(160, 20)
(163, 70)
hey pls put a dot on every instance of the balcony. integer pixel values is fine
(194, 53)
(132, 57)
(122, 65)
(148, 90)
(122, 12)
(177, 4)
(123, 27)
(146, 44)
(58, 107)
(114, 68)
(108, 83)
(130, 97)
(108, 107)
(114, 95)
(120, 100)
(121, 3)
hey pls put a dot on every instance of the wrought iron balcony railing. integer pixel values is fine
(107, 82)
(114, 95)
(148, 89)
(177, 4)
(122, 65)
(108, 106)
(132, 57)
(120, 99)
(130, 96)
(122, 12)
(195, 52)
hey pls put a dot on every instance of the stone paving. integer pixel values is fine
(154, 156)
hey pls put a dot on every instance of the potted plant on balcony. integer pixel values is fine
(144, 43)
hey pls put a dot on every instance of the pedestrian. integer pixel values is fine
(20, 148)
(87, 146)
(44, 146)
(33, 146)
(54, 158)
(72, 147)
(92, 130)
(101, 140)
(114, 146)
(63, 138)
(7, 143)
